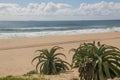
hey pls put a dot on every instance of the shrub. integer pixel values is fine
(49, 61)
(97, 62)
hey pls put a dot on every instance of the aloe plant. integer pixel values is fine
(49, 62)
(97, 62)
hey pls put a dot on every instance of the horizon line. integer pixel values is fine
(66, 20)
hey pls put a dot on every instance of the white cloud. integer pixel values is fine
(53, 11)
(98, 9)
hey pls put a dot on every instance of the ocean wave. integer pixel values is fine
(31, 29)
(58, 33)
(27, 28)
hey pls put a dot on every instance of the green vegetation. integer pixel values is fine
(74, 79)
(17, 78)
(30, 73)
(49, 62)
(11, 78)
(40, 77)
(97, 62)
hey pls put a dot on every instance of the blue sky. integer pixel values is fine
(59, 9)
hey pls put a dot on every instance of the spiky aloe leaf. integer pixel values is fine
(48, 61)
(105, 60)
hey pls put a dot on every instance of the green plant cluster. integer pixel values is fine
(11, 78)
(49, 61)
(97, 62)
(17, 78)
(41, 77)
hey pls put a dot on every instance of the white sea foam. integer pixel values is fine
(32, 28)
(57, 33)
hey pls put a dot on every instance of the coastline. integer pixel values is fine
(16, 54)
(58, 32)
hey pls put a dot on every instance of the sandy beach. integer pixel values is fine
(16, 54)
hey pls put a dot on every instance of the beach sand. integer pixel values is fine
(16, 54)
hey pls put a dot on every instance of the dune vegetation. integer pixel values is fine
(95, 61)
(50, 62)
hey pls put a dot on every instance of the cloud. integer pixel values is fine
(102, 8)
(7, 9)
(53, 11)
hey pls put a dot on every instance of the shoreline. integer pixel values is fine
(16, 54)
(57, 33)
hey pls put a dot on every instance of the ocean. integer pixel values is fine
(17, 29)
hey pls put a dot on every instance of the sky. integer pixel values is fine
(59, 9)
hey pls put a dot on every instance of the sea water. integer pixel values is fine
(16, 29)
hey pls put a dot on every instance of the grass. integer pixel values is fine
(19, 78)
(41, 77)
(13, 78)
(30, 73)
